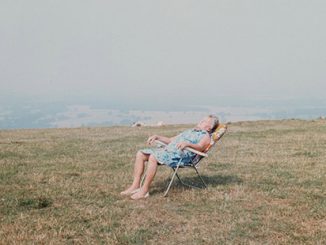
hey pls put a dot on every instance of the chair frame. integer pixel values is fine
(175, 170)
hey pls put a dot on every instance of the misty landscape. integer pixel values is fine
(115, 64)
(33, 113)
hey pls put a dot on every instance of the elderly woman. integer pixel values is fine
(197, 138)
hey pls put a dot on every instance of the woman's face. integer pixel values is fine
(205, 124)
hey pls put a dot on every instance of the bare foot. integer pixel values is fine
(141, 194)
(131, 190)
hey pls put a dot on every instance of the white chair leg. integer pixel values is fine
(172, 178)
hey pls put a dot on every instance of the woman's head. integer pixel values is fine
(209, 123)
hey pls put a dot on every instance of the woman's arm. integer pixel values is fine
(201, 146)
(164, 139)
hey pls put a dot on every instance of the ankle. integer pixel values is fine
(135, 184)
(144, 189)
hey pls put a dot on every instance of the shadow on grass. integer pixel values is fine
(211, 181)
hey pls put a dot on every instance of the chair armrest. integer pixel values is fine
(158, 142)
(187, 148)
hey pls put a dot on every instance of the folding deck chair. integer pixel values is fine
(215, 137)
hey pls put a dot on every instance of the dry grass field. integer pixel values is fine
(266, 185)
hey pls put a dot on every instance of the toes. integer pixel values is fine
(139, 195)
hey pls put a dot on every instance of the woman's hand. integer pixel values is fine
(151, 139)
(182, 145)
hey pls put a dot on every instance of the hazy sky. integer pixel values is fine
(144, 50)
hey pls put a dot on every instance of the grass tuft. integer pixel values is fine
(35, 203)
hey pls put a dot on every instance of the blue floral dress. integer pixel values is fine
(171, 155)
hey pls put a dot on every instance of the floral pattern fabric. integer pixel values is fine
(171, 155)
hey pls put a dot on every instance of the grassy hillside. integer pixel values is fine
(267, 184)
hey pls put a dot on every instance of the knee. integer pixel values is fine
(152, 159)
(140, 155)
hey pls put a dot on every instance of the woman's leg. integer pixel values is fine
(139, 166)
(150, 174)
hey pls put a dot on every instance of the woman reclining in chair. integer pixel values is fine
(197, 138)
